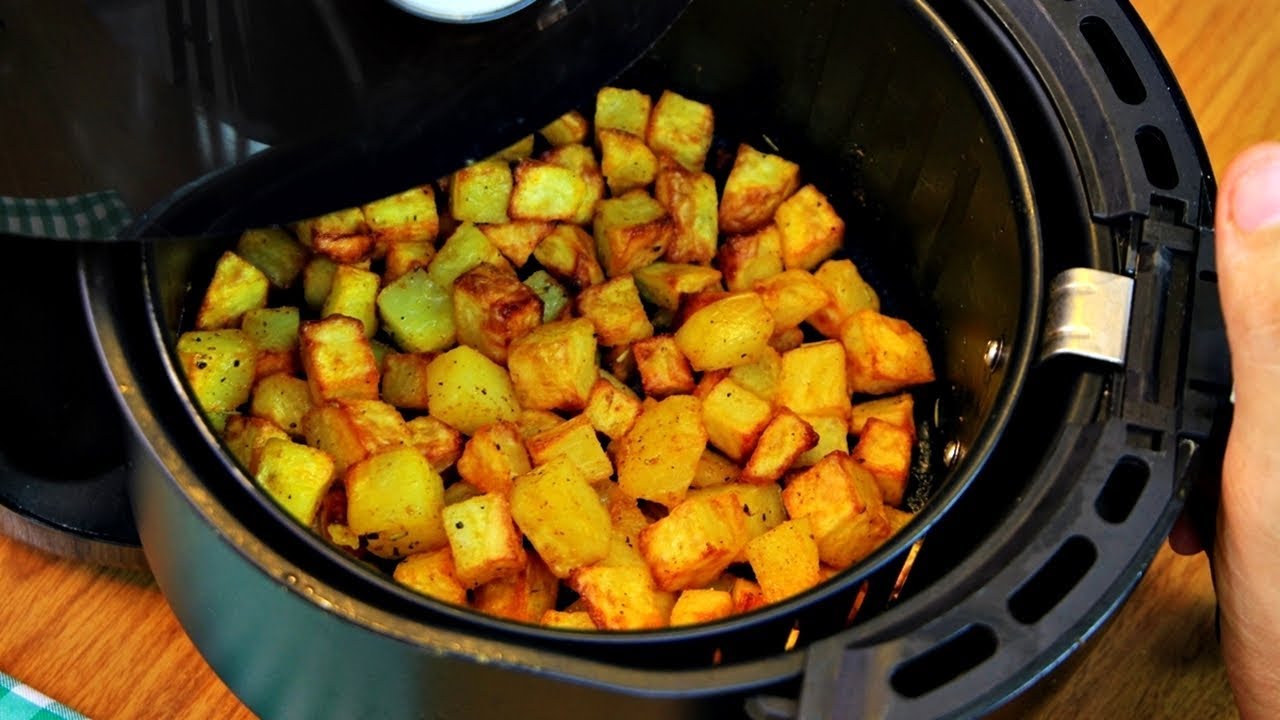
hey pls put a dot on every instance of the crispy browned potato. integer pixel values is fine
(492, 308)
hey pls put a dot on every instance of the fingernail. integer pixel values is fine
(1256, 201)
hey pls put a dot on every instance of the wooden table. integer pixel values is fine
(106, 643)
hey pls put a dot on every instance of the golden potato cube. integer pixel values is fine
(884, 450)
(338, 359)
(236, 288)
(897, 410)
(732, 331)
(760, 377)
(406, 217)
(460, 490)
(612, 407)
(545, 192)
(575, 440)
(432, 574)
(631, 231)
(663, 368)
(657, 458)
(484, 539)
(317, 279)
(465, 249)
(469, 391)
(354, 293)
(554, 296)
(714, 469)
(481, 192)
(810, 381)
(811, 229)
(681, 128)
(663, 283)
(493, 456)
(405, 381)
(833, 436)
(532, 422)
(747, 596)
(622, 598)
(785, 560)
(847, 293)
(622, 553)
(842, 501)
(762, 508)
(884, 354)
(554, 366)
(524, 597)
(405, 257)
(440, 444)
(787, 340)
(577, 620)
(626, 162)
(757, 185)
(569, 254)
(748, 259)
(624, 512)
(418, 313)
(567, 129)
(282, 399)
(274, 331)
(734, 418)
(351, 430)
(245, 435)
(695, 542)
(690, 199)
(517, 150)
(342, 236)
(295, 476)
(395, 503)
(792, 296)
(785, 438)
(275, 253)
(491, 309)
(516, 240)
(695, 606)
(619, 109)
(897, 519)
(614, 308)
(581, 160)
(219, 366)
(556, 508)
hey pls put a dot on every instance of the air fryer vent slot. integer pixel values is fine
(1157, 157)
(1115, 61)
(1122, 490)
(945, 662)
(1053, 581)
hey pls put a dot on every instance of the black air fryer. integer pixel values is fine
(1021, 180)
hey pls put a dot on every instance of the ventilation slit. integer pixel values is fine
(1053, 581)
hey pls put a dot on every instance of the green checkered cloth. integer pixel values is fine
(79, 217)
(19, 702)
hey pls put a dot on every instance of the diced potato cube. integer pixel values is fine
(631, 231)
(747, 596)
(663, 368)
(317, 279)
(810, 381)
(884, 354)
(681, 128)
(469, 391)
(748, 259)
(405, 257)
(627, 163)
(493, 456)
(792, 296)
(663, 283)
(554, 366)
(432, 574)
(408, 216)
(884, 450)
(564, 620)
(440, 444)
(483, 538)
(612, 407)
(236, 288)
(351, 430)
(787, 340)
(395, 503)
(811, 229)
(569, 254)
(245, 435)
(532, 422)
(622, 553)
(847, 293)
(622, 598)
(220, 367)
(898, 410)
(338, 360)
(481, 192)
(517, 150)
(466, 248)
(556, 508)
(405, 382)
(657, 458)
(695, 606)
(833, 436)
(614, 308)
(732, 331)
(491, 309)
(418, 313)
(575, 440)
(554, 297)
(695, 542)
(785, 560)
(734, 418)
(897, 519)
(757, 185)
(761, 505)
(690, 199)
(567, 129)
(761, 376)
(516, 240)
(354, 293)
(785, 438)
(460, 491)
(283, 400)
(624, 512)
(342, 236)
(294, 475)
(714, 469)
(275, 253)
(524, 597)
(274, 331)
(545, 192)
(844, 506)
(581, 160)
(619, 109)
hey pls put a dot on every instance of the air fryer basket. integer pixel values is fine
(1038, 526)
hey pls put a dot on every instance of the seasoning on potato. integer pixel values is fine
(588, 386)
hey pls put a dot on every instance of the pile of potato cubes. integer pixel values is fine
(590, 387)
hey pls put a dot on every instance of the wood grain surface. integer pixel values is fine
(105, 642)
